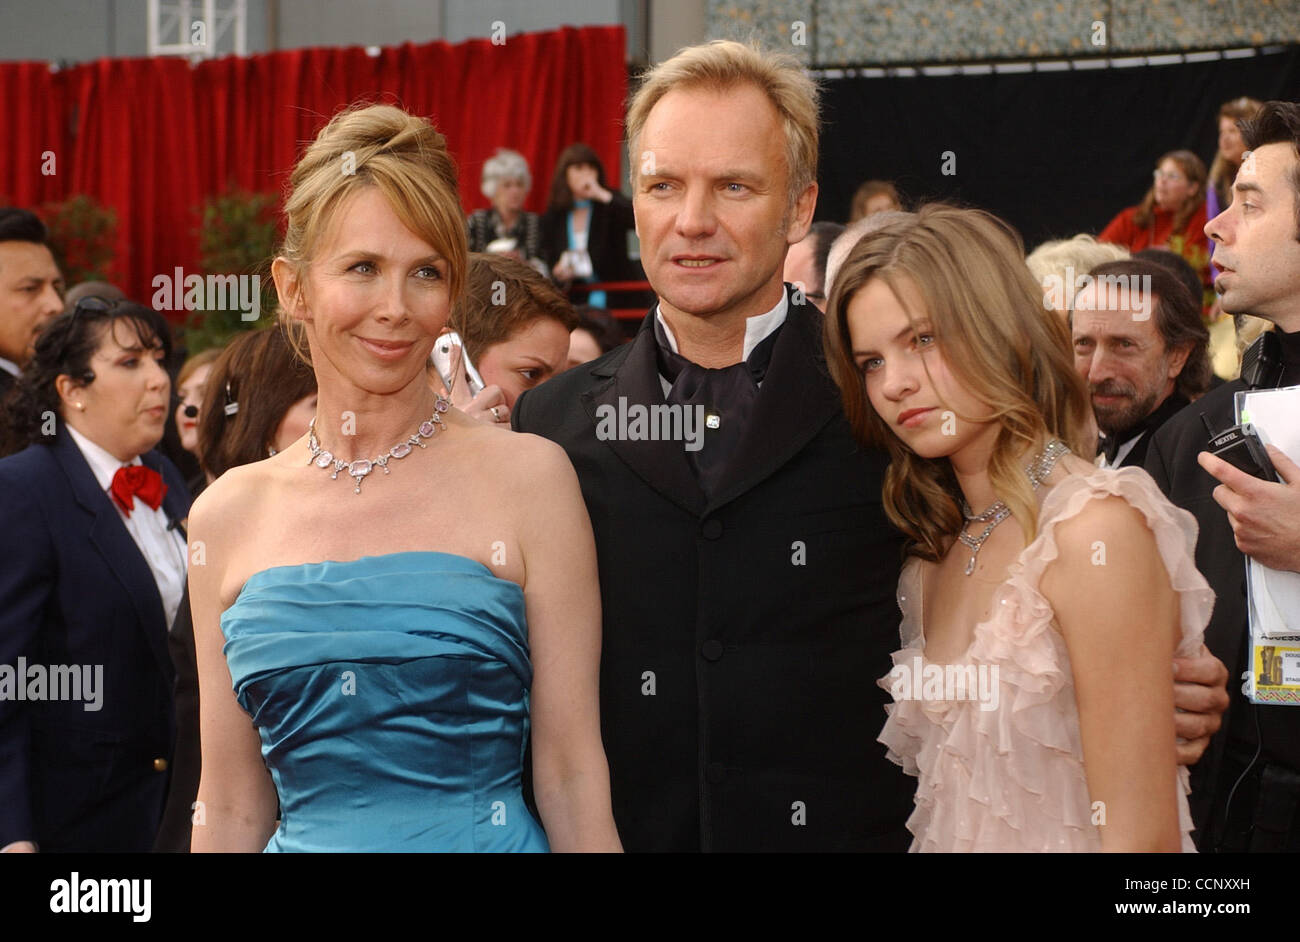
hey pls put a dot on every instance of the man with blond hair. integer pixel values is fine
(748, 580)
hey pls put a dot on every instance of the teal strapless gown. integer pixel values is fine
(391, 695)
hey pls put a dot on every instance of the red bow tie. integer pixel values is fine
(137, 480)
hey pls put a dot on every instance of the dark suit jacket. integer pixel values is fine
(7, 383)
(1171, 460)
(187, 755)
(744, 635)
(606, 243)
(76, 590)
(1170, 407)
(482, 230)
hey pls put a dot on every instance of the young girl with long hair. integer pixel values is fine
(1043, 599)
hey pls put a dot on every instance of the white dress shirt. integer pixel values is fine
(163, 549)
(10, 367)
(757, 329)
(1121, 453)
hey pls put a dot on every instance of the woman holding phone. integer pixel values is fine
(509, 333)
(399, 595)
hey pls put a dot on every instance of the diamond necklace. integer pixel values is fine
(361, 467)
(1039, 468)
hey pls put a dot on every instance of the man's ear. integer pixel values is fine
(805, 205)
(289, 288)
(1178, 359)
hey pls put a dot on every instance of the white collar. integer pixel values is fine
(102, 464)
(9, 366)
(757, 328)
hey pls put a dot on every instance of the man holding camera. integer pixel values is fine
(1246, 790)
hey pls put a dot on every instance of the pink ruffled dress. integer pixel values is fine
(1012, 778)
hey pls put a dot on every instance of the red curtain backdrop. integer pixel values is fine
(152, 138)
(35, 123)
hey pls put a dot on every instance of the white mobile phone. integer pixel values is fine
(441, 360)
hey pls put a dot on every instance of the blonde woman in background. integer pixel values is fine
(1059, 264)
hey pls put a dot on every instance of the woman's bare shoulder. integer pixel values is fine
(522, 458)
(1103, 551)
(229, 502)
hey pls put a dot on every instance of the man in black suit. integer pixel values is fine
(31, 290)
(748, 572)
(1141, 345)
(1246, 794)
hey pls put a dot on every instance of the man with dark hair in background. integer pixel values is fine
(1143, 353)
(31, 289)
(805, 263)
(1246, 792)
(1180, 267)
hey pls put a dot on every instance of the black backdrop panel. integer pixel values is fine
(1054, 153)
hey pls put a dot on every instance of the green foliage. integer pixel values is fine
(81, 235)
(237, 236)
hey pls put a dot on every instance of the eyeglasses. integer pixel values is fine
(1167, 175)
(92, 304)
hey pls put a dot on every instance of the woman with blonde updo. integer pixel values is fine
(378, 592)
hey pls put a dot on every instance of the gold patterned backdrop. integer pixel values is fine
(832, 33)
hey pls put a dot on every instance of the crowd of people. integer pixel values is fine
(520, 625)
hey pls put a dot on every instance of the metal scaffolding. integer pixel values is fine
(198, 29)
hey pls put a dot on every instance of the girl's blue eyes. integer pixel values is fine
(922, 341)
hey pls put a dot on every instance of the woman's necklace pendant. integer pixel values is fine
(1039, 468)
(358, 469)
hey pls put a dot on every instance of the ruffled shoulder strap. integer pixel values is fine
(910, 603)
(1175, 532)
